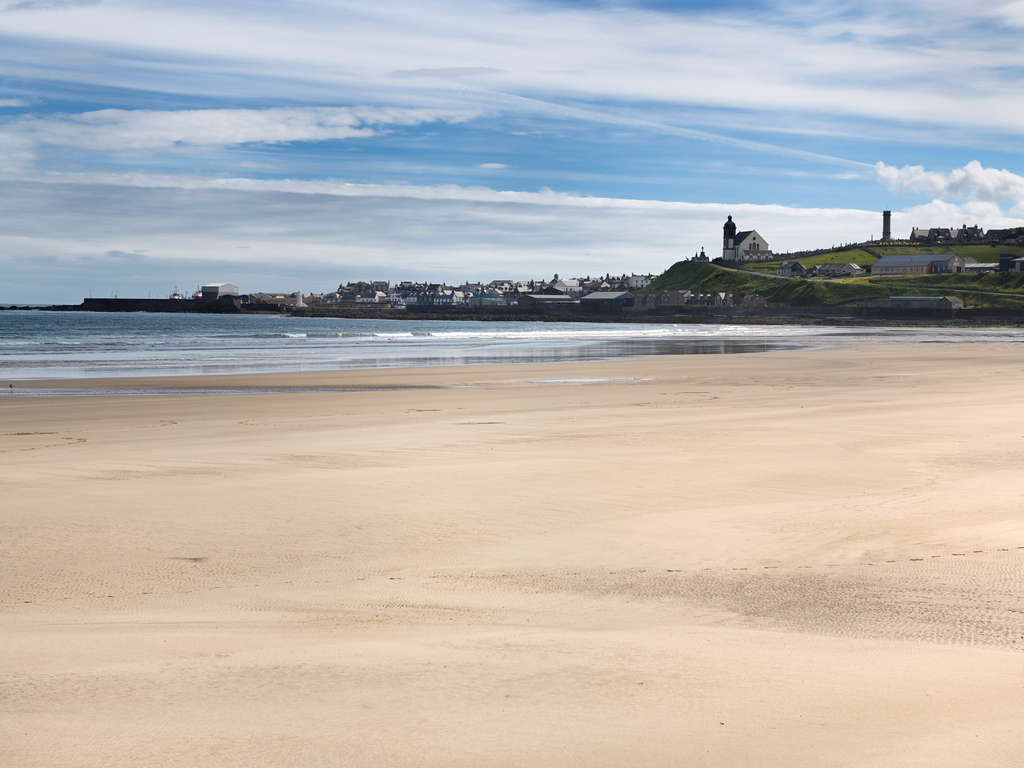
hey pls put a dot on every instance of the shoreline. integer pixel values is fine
(367, 379)
(815, 316)
(316, 373)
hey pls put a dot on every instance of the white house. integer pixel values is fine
(639, 282)
(568, 286)
(839, 270)
(218, 290)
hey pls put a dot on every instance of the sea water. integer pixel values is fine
(56, 345)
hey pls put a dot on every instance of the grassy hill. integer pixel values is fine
(860, 256)
(693, 276)
(995, 290)
(981, 253)
(868, 255)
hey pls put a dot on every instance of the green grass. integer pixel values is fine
(859, 256)
(980, 253)
(687, 275)
(955, 285)
(867, 256)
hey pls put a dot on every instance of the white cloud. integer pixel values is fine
(118, 130)
(443, 218)
(13, 103)
(822, 58)
(47, 5)
(492, 166)
(441, 192)
(449, 72)
(979, 185)
(940, 213)
(17, 153)
(1011, 14)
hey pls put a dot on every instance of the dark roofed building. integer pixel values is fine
(925, 302)
(918, 264)
(791, 269)
(920, 303)
(535, 300)
(218, 291)
(606, 301)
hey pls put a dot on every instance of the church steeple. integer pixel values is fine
(729, 230)
(729, 239)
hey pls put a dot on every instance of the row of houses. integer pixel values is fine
(494, 293)
(796, 269)
(613, 300)
(650, 299)
(944, 263)
(963, 235)
(913, 265)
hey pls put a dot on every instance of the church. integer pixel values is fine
(743, 246)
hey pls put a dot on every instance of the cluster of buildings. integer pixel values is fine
(796, 269)
(496, 293)
(920, 264)
(963, 236)
(619, 291)
(651, 299)
(748, 246)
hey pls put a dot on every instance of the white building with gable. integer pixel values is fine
(743, 246)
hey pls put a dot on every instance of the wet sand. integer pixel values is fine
(806, 558)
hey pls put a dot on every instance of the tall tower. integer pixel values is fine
(729, 240)
(886, 231)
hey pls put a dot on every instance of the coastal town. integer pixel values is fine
(609, 292)
(745, 278)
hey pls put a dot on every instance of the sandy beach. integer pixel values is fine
(809, 558)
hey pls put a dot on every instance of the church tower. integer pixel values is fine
(729, 240)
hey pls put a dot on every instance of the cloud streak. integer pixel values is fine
(822, 58)
(113, 130)
(445, 73)
(47, 5)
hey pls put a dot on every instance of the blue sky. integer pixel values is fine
(297, 145)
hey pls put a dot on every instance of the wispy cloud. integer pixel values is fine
(818, 58)
(47, 5)
(445, 73)
(607, 117)
(118, 130)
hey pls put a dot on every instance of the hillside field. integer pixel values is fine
(866, 257)
(995, 290)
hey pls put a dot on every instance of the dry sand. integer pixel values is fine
(787, 559)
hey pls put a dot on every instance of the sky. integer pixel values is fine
(298, 145)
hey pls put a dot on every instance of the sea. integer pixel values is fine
(80, 345)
